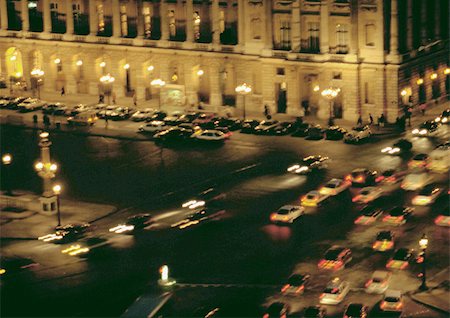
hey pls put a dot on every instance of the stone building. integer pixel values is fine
(379, 55)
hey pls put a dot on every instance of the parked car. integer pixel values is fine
(105, 112)
(158, 115)
(30, 104)
(75, 110)
(121, 113)
(314, 132)
(54, 109)
(173, 135)
(398, 148)
(142, 115)
(265, 127)
(426, 129)
(357, 134)
(335, 292)
(283, 128)
(187, 118)
(153, 127)
(203, 119)
(378, 283)
(335, 133)
(5, 100)
(301, 130)
(14, 103)
(232, 123)
(248, 126)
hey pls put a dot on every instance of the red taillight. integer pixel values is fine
(300, 289)
(386, 218)
(348, 178)
(303, 198)
(285, 287)
(360, 179)
(383, 304)
(358, 219)
(439, 219)
(380, 178)
(273, 217)
(266, 316)
(389, 264)
(338, 265)
(375, 245)
(322, 262)
(322, 295)
(404, 265)
(390, 244)
(356, 198)
(368, 283)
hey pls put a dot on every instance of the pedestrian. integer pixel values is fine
(408, 116)
(370, 119)
(305, 105)
(267, 112)
(134, 99)
(63, 91)
(200, 106)
(402, 124)
(46, 120)
(106, 122)
(423, 108)
(35, 119)
(331, 121)
(359, 122)
(382, 120)
(114, 98)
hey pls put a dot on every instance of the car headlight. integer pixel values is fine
(387, 149)
(301, 169)
(292, 168)
(394, 150)
(197, 204)
(188, 203)
(423, 132)
(415, 131)
(444, 120)
(437, 119)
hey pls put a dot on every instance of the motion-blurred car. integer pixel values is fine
(314, 312)
(248, 126)
(207, 197)
(416, 181)
(368, 194)
(88, 247)
(135, 222)
(153, 127)
(265, 127)
(334, 187)
(301, 130)
(335, 258)
(313, 198)
(278, 310)
(378, 283)
(173, 135)
(357, 134)
(296, 284)
(283, 128)
(142, 115)
(401, 259)
(314, 132)
(232, 123)
(384, 241)
(368, 215)
(356, 311)
(335, 133)
(309, 164)
(398, 215)
(335, 292)
(426, 129)
(398, 148)
(13, 265)
(361, 177)
(287, 214)
(444, 117)
(428, 195)
(203, 119)
(443, 219)
(157, 115)
(419, 161)
(200, 216)
(30, 104)
(390, 177)
(66, 233)
(213, 136)
(54, 109)
(439, 158)
(392, 301)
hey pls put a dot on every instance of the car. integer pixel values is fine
(203, 119)
(5, 100)
(334, 187)
(66, 233)
(309, 164)
(265, 127)
(313, 198)
(105, 111)
(390, 177)
(54, 109)
(335, 133)
(225, 130)
(301, 130)
(398, 148)
(444, 117)
(83, 119)
(398, 215)
(335, 258)
(13, 265)
(443, 219)
(362, 177)
(142, 115)
(187, 118)
(296, 284)
(428, 195)
(231, 123)
(215, 136)
(121, 113)
(356, 311)
(378, 283)
(314, 312)
(30, 104)
(135, 222)
(415, 181)
(314, 132)
(335, 292)
(75, 110)
(249, 125)
(153, 127)
(283, 128)
(384, 241)
(199, 216)
(277, 309)
(287, 214)
(194, 129)
(426, 129)
(173, 135)
(392, 301)
(209, 196)
(157, 115)
(368, 194)
(401, 259)
(419, 161)
(357, 134)
(438, 160)
(14, 103)
(368, 215)
(87, 247)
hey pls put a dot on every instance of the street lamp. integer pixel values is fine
(243, 90)
(36, 75)
(423, 243)
(6, 160)
(107, 81)
(330, 94)
(158, 83)
(57, 191)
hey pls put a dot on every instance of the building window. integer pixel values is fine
(53, 6)
(370, 34)
(341, 38)
(172, 24)
(123, 20)
(280, 70)
(146, 13)
(313, 36)
(285, 35)
(221, 21)
(337, 75)
(100, 18)
(76, 8)
(368, 98)
(197, 22)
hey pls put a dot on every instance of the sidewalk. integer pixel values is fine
(29, 224)
(438, 295)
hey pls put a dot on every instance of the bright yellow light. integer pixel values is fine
(447, 71)
(243, 89)
(419, 81)
(39, 166)
(107, 79)
(200, 72)
(158, 83)
(150, 68)
(43, 135)
(6, 159)
(433, 76)
(57, 61)
(79, 63)
(18, 74)
(403, 92)
(57, 189)
(53, 167)
(126, 66)
(423, 242)
(13, 58)
(174, 77)
(316, 88)
(102, 64)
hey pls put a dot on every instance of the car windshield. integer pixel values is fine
(357, 173)
(331, 290)
(354, 310)
(401, 255)
(421, 156)
(384, 236)
(359, 129)
(397, 211)
(427, 191)
(392, 299)
(377, 280)
(368, 211)
(332, 255)
(309, 161)
(296, 280)
(311, 196)
(283, 211)
(331, 185)
(365, 192)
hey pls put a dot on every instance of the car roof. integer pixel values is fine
(380, 274)
(393, 293)
(288, 207)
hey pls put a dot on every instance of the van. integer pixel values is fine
(83, 118)
(440, 159)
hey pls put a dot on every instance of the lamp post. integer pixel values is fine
(107, 81)
(57, 192)
(36, 75)
(423, 243)
(158, 83)
(330, 94)
(243, 90)
(6, 160)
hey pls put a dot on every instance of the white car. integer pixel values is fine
(154, 126)
(142, 115)
(439, 159)
(334, 187)
(392, 301)
(30, 104)
(368, 194)
(428, 195)
(415, 181)
(287, 214)
(335, 292)
(309, 164)
(265, 126)
(211, 135)
(378, 283)
(428, 128)
(357, 134)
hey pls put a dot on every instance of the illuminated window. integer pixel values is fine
(172, 24)
(370, 34)
(100, 18)
(285, 35)
(197, 22)
(123, 20)
(146, 12)
(59, 67)
(221, 21)
(341, 38)
(313, 36)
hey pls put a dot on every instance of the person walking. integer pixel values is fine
(114, 98)
(134, 99)
(267, 111)
(423, 108)
(63, 91)
(106, 122)
(381, 120)
(370, 119)
(35, 119)
(359, 122)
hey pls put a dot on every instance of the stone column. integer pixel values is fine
(115, 6)
(215, 94)
(437, 20)
(47, 16)
(241, 22)
(215, 22)
(25, 17)
(324, 27)
(393, 43)
(3, 15)
(189, 8)
(409, 26)
(191, 93)
(295, 26)
(268, 38)
(69, 18)
(354, 28)
(93, 23)
(423, 22)
(164, 21)
(140, 19)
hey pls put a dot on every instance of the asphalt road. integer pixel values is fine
(241, 247)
